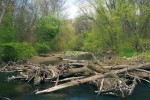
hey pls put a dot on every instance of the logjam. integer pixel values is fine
(117, 80)
(91, 78)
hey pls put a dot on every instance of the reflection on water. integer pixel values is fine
(17, 90)
(80, 57)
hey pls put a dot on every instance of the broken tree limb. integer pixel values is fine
(91, 78)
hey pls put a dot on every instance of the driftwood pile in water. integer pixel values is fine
(118, 80)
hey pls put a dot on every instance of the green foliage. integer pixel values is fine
(66, 38)
(7, 30)
(126, 53)
(120, 27)
(126, 48)
(42, 48)
(93, 42)
(144, 44)
(146, 55)
(17, 51)
(48, 28)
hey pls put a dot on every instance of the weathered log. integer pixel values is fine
(91, 78)
(77, 64)
(116, 67)
(70, 79)
(69, 84)
(143, 70)
(76, 70)
(141, 74)
(132, 67)
(96, 68)
(75, 61)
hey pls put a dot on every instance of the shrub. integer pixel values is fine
(146, 55)
(126, 49)
(126, 53)
(42, 48)
(17, 51)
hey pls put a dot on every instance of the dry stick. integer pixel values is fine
(143, 70)
(139, 78)
(91, 78)
(57, 80)
(101, 87)
(31, 78)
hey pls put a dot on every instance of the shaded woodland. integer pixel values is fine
(109, 30)
(117, 26)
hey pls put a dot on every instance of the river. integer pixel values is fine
(19, 90)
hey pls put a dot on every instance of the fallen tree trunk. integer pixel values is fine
(132, 67)
(76, 70)
(77, 64)
(96, 68)
(70, 79)
(75, 61)
(116, 67)
(92, 78)
(69, 84)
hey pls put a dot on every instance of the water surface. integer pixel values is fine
(19, 90)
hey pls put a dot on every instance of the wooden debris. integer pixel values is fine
(108, 79)
(91, 78)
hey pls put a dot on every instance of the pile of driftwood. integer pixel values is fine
(117, 80)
